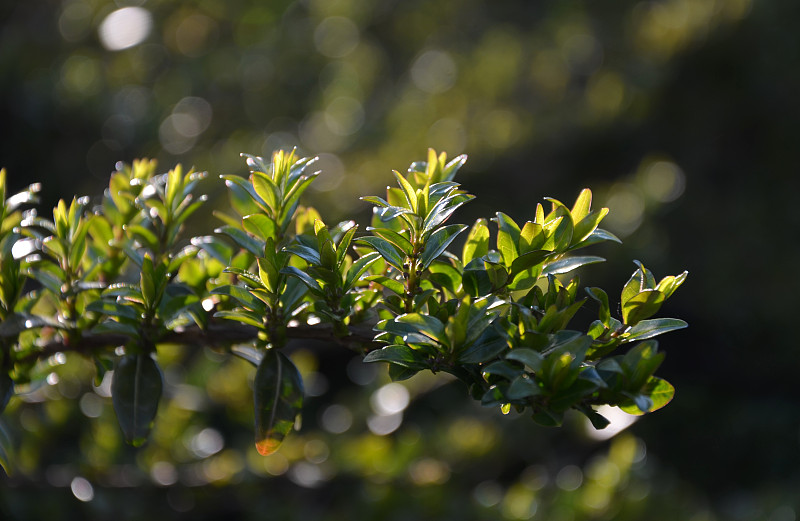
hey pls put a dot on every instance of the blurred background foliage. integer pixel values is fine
(681, 115)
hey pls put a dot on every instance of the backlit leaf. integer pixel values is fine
(277, 398)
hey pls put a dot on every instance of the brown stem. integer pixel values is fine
(224, 334)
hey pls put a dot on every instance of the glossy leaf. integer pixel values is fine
(649, 328)
(387, 250)
(438, 242)
(477, 244)
(135, 392)
(358, 268)
(568, 264)
(277, 398)
(532, 359)
(658, 393)
(641, 306)
(399, 354)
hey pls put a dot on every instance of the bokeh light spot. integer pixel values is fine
(663, 181)
(336, 36)
(390, 399)
(626, 209)
(434, 72)
(569, 478)
(336, 419)
(125, 28)
(82, 489)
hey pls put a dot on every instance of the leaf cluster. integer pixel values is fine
(115, 280)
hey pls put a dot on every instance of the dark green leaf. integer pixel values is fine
(502, 368)
(650, 328)
(312, 284)
(439, 241)
(401, 355)
(602, 297)
(358, 268)
(387, 250)
(135, 392)
(490, 344)
(395, 238)
(251, 244)
(278, 399)
(568, 264)
(522, 387)
(114, 309)
(532, 359)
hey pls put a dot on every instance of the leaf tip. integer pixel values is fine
(267, 446)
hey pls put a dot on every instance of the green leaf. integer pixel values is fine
(251, 244)
(114, 309)
(477, 244)
(243, 316)
(308, 254)
(531, 238)
(392, 285)
(598, 420)
(429, 326)
(398, 354)
(358, 268)
(548, 418)
(527, 260)
(266, 190)
(439, 241)
(387, 250)
(135, 392)
(641, 306)
(305, 278)
(568, 264)
(532, 359)
(587, 226)
(490, 344)
(507, 238)
(260, 225)
(669, 284)
(118, 328)
(602, 297)
(251, 279)
(582, 205)
(242, 295)
(292, 199)
(395, 238)
(657, 391)
(6, 389)
(215, 247)
(522, 387)
(408, 190)
(344, 244)
(649, 328)
(278, 399)
(503, 369)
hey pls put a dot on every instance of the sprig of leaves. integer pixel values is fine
(499, 316)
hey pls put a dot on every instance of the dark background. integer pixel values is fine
(681, 115)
